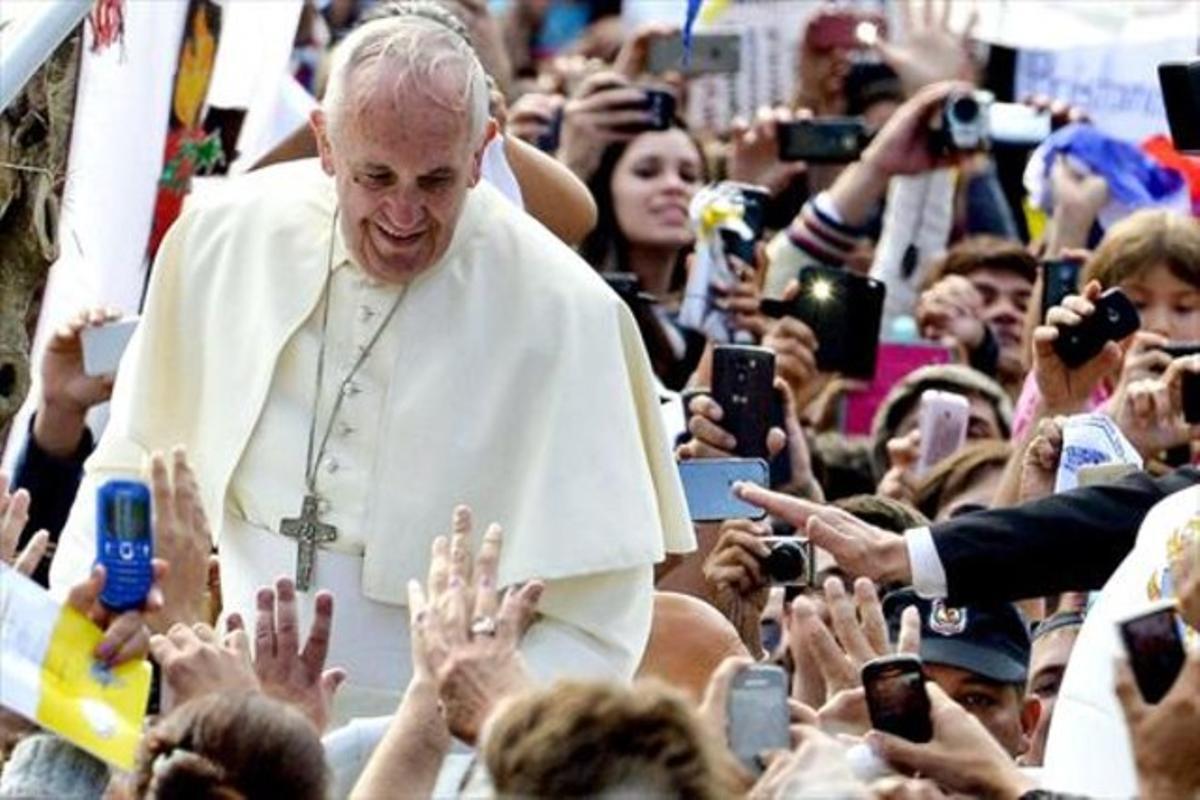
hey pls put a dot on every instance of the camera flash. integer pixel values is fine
(867, 33)
(822, 291)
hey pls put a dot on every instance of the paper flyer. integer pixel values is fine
(48, 675)
(1091, 439)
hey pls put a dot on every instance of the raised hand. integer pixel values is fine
(1149, 411)
(931, 51)
(754, 149)
(900, 480)
(465, 634)
(951, 312)
(196, 662)
(606, 109)
(962, 756)
(14, 514)
(1039, 465)
(733, 570)
(126, 634)
(1064, 390)
(66, 391)
(181, 538)
(286, 671)
(859, 548)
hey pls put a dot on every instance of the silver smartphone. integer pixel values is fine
(712, 54)
(708, 487)
(757, 714)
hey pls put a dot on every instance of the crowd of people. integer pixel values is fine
(411, 397)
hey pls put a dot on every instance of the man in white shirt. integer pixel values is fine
(350, 349)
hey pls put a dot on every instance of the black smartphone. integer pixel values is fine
(1155, 649)
(1060, 278)
(827, 140)
(1180, 84)
(547, 142)
(743, 378)
(757, 714)
(1115, 318)
(845, 312)
(661, 106)
(1191, 398)
(896, 697)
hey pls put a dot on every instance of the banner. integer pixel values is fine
(1117, 84)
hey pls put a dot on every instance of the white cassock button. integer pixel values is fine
(352, 389)
(331, 465)
(344, 429)
(366, 313)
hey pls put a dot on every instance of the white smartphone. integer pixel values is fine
(103, 345)
(757, 714)
(942, 419)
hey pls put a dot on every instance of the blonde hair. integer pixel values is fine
(413, 52)
(1144, 240)
(578, 739)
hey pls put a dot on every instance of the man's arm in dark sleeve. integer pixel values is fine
(52, 483)
(1064, 542)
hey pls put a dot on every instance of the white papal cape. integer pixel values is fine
(520, 386)
(1088, 751)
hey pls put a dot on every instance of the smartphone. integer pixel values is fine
(547, 142)
(1180, 84)
(942, 419)
(845, 312)
(1155, 648)
(104, 345)
(123, 543)
(712, 54)
(827, 140)
(896, 697)
(1115, 318)
(743, 380)
(1191, 398)
(1060, 278)
(757, 714)
(661, 106)
(708, 487)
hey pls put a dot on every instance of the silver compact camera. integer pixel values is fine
(965, 122)
(790, 561)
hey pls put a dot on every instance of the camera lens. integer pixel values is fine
(786, 563)
(741, 377)
(1114, 316)
(964, 109)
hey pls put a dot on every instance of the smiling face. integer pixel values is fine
(652, 184)
(402, 178)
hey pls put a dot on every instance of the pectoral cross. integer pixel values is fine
(308, 531)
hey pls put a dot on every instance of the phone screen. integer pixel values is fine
(126, 517)
(758, 714)
(1059, 279)
(1155, 652)
(708, 487)
(897, 700)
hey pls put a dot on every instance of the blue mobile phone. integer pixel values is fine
(123, 543)
(708, 487)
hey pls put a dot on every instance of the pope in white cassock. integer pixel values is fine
(350, 348)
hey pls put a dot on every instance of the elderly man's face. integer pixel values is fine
(402, 165)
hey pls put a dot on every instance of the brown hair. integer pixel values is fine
(955, 474)
(985, 252)
(578, 739)
(883, 512)
(1144, 240)
(232, 746)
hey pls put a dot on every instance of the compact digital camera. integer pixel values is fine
(790, 561)
(964, 124)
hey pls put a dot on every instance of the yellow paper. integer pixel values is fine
(95, 708)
